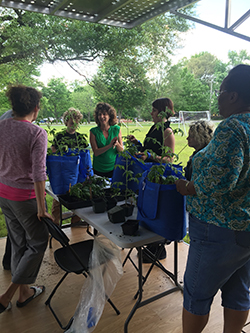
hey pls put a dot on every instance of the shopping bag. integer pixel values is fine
(63, 172)
(105, 267)
(85, 166)
(161, 208)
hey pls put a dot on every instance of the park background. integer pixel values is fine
(165, 57)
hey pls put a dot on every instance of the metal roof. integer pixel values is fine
(119, 13)
(123, 13)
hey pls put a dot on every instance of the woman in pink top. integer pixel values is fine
(22, 190)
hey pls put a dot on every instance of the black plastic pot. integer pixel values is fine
(110, 202)
(130, 227)
(128, 209)
(116, 214)
(99, 205)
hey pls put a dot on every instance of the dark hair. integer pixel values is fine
(105, 108)
(162, 103)
(23, 99)
(238, 80)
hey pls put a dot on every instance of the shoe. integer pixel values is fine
(2, 308)
(153, 248)
(38, 291)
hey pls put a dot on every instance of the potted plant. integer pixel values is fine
(67, 166)
(127, 176)
(91, 190)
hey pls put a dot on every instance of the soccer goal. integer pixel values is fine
(186, 117)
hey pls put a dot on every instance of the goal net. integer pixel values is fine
(186, 117)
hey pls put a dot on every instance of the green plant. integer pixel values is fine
(92, 187)
(157, 171)
(129, 150)
(79, 143)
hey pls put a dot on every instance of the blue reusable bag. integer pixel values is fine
(135, 166)
(63, 172)
(85, 166)
(161, 208)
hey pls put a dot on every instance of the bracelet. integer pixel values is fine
(187, 183)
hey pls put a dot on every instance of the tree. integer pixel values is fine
(83, 100)
(35, 38)
(122, 84)
(238, 58)
(58, 98)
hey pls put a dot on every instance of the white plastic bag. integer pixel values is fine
(105, 271)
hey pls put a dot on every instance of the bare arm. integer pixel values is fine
(118, 144)
(169, 141)
(185, 187)
(41, 209)
(98, 151)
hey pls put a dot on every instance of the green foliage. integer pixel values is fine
(58, 98)
(123, 84)
(63, 145)
(156, 173)
(92, 187)
(82, 99)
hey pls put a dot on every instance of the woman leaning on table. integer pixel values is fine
(153, 141)
(218, 197)
(105, 140)
(22, 189)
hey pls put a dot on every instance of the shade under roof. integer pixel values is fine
(119, 13)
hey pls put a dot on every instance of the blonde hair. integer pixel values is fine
(202, 131)
(72, 113)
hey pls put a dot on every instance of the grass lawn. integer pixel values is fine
(139, 132)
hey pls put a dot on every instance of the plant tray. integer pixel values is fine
(72, 202)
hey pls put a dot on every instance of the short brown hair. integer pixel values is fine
(23, 99)
(105, 108)
(72, 113)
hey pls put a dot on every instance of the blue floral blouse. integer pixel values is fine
(221, 175)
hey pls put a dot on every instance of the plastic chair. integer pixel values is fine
(72, 258)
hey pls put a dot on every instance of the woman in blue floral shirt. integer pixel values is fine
(218, 199)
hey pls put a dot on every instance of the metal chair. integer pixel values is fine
(72, 258)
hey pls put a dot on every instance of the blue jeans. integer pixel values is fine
(218, 258)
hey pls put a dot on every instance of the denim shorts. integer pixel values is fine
(218, 258)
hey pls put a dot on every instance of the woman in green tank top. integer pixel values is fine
(105, 140)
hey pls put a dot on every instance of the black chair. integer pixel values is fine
(72, 258)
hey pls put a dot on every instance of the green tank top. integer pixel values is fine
(106, 161)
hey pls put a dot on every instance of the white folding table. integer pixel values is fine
(114, 233)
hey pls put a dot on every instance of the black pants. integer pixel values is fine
(7, 254)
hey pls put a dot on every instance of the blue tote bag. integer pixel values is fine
(63, 171)
(85, 166)
(161, 208)
(134, 165)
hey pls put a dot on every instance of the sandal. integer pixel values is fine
(3, 308)
(38, 291)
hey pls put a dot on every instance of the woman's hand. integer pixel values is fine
(185, 187)
(141, 156)
(41, 214)
(132, 139)
(114, 142)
